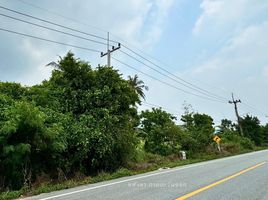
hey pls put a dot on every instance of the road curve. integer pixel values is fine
(237, 177)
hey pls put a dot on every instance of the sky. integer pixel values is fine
(220, 46)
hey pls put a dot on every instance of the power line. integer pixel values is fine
(164, 64)
(48, 40)
(14, 18)
(165, 83)
(99, 42)
(170, 76)
(52, 29)
(72, 19)
(61, 43)
(245, 104)
(88, 40)
(82, 23)
(55, 24)
(69, 18)
(254, 109)
(97, 28)
(196, 88)
(192, 86)
(92, 41)
(60, 15)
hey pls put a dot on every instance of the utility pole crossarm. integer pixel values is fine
(108, 53)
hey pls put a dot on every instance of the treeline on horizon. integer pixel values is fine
(85, 120)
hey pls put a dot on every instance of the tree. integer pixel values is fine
(44, 95)
(265, 134)
(226, 125)
(252, 129)
(200, 128)
(138, 85)
(101, 135)
(159, 132)
(29, 142)
(13, 90)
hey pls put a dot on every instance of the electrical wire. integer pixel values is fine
(48, 40)
(194, 87)
(55, 24)
(60, 15)
(254, 109)
(184, 82)
(100, 29)
(210, 96)
(165, 83)
(52, 29)
(121, 51)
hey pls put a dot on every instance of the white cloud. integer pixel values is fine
(143, 23)
(240, 66)
(158, 16)
(246, 51)
(140, 22)
(39, 57)
(219, 17)
(210, 8)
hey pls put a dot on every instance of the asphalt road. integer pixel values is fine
(238, 177)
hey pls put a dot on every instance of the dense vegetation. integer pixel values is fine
(84, 120)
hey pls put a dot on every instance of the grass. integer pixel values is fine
(151, 163)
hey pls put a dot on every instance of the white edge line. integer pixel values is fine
(149, 175)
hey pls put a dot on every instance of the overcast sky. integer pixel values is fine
(220, 46)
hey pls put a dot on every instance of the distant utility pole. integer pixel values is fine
(236, 112)
(108, 53)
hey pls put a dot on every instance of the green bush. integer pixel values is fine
(29, 143)
(229, 135)
(139, 153)
(200, 129)
(233, 137)
(231, 147)
(161, 135)
(246, 143)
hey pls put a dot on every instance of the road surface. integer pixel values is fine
(239, 177)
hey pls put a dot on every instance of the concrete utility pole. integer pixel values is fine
(108, 53)
(236, 112)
